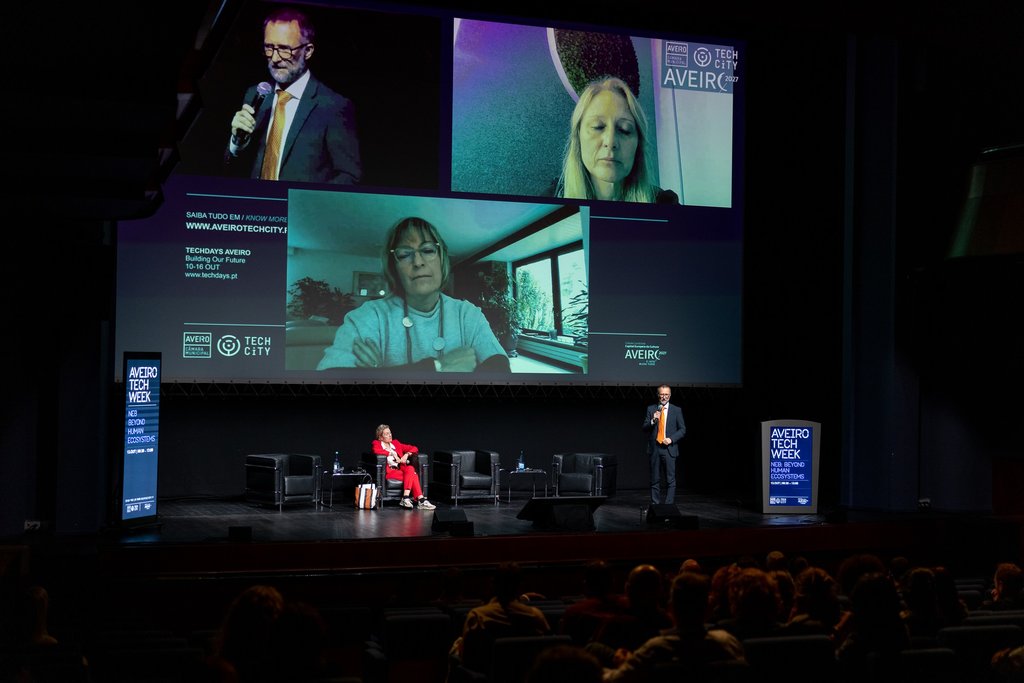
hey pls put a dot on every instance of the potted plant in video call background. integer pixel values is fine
(576, 320)
(316, 300)
(499, 307)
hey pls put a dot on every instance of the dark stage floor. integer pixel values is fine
(230, 536)
(199, 520)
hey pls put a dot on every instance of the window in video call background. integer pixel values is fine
(609, 292)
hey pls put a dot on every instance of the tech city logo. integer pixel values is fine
(644, 353)
(697, 66)
(201, 344)
(248, 345)
(229, 345)
(702, 57)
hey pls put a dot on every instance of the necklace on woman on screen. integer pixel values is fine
(407, 323)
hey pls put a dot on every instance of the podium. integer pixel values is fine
(789, 466)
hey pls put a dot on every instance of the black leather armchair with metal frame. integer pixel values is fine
(282, 478)
(584, 474)
(465, 474)
(391, 489)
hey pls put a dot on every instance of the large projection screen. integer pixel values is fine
(239, 279)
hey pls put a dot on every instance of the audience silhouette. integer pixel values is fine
(870, 611)
(1007, 588)
(876, 629)
(641, 615)
(689, 646)
(816, 608)
(582, 619)
(505, 615)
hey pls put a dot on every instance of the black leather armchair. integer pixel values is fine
(391, 489)
(584, 474)
(280, 478)
(465, 474)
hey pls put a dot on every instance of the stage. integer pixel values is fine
(183, 572)
(208, 536)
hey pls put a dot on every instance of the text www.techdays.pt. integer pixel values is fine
(214, 276)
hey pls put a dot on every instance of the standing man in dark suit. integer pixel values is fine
(665, 427)
(315, 128)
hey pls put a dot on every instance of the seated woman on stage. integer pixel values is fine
(400, 466)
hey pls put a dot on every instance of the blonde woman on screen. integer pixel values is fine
(608, 154)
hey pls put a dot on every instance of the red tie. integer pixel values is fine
(661, 425)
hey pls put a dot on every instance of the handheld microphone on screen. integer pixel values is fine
(262, 90)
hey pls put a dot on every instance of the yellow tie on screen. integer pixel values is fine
(273, 153)
(661, 425)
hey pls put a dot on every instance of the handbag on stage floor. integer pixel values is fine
(366, 496)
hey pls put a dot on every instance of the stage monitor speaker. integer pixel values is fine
(453, 521)
(669, 517)
(573, 513)
(242, 534)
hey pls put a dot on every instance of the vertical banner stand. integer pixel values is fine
(789, 466)
(140, 457)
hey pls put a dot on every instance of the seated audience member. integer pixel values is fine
(898, 568)
(688, 645)
(298, 640)
(854, 567)
(505, 615)
(690, 565)
(565, 664)
(242, 645)
(754, 605)
(401, 467)
(641, 615)
(951, 606)
(1008, 665)
(1007, 588)
(816, 608)
(417, 325)
(849, 573)
(719, 598)
(776, 561)
(921, 606)
(875, 627)
(36, 606)
(786, 588)
(27, 648)
(798, 564)
(582, 619)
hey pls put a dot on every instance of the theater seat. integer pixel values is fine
(584, 474)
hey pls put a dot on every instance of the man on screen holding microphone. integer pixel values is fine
(297, 128)
(664, 426)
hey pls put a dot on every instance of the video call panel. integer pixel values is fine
(237, 278)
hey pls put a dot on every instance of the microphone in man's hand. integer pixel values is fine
(262, 90)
